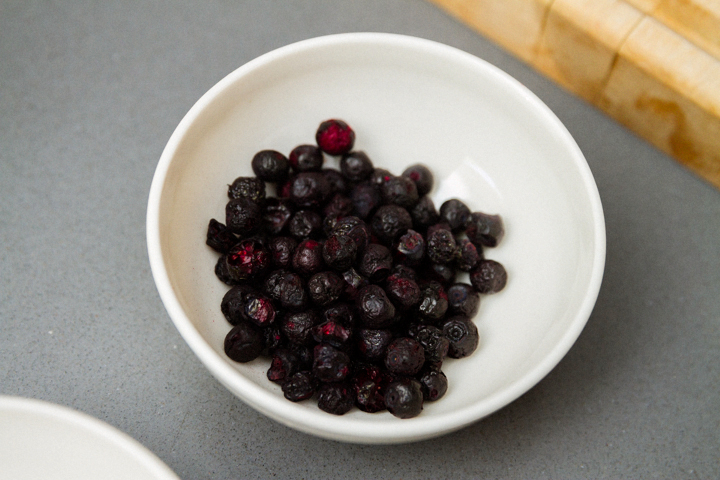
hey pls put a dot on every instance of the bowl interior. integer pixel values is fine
(489, 142)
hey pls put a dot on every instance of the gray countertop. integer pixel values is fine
(89, 95)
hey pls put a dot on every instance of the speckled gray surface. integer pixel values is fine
(90, 93)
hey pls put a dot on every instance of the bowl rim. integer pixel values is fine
(407, 430)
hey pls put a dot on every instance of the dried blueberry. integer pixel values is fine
(441, 246)
(283, 365)
(325, 287)
(404, 398)
(434, 384)
(369, 383)
(300, 386)
(339, 252)
(251, 188)
(400, 191)
(247, 259)
(421, 176)
(403, 292)
(356, 166)
(219, 238)
(455, 213)
(404, 356)
(376, 309)
(308, 259)
(372, 343)
(270, 166)
(330, 364)
(389, 222)
(244, 342)
(336, 398)
(410, 248)
(375, 262)
(281, 251)
(297, 327)
(365, 199)
(305, 224)
(463, 300)
(306, 158)
(433, 302)
(424, 214)
(488, 276)
(243, 216)
(309, 189)
(468, 255)
(486, 230)
(463, 336)
(335, 137)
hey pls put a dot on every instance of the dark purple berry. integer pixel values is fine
(325, 287)
(288, 289)
(488, 276)
(251, 188)
(270, 166)
(375, 262)
(273, 339)
(355, 228)
(305, 224)
(356, 166)
(442, 273)
(258, 309)
(335, 179)
(335, 137)
(434, 384)
(284, 363)
(223, 272)
(339, 252)
(468, 255)
(244, 342)
(219, 238)
(308, 259)
(297, 327)
(404, 398)
(455, 213)
(247, 259)
(463, 300)
(336, 398)
(441, 246)
(486, 230)
(463, 336)
(424, 214)
(404, 356)
(421, 176)
(338, 206)
(369, 383)
(281, 251)
(341, 313)
(233, 303)
(375, 308)
(277, 215)
(306, 158)
(372, 343)
(410, 248)
(389, 222)
(365, 198)
(403, 292)
(380, 176)
(300, 386)
(243, 216)
(330, 364)
(433, 302)
(399, 191)
(354, 282)
(309, 190)
(433, 342)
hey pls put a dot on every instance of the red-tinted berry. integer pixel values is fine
(332, 333)
(410, 248)
(403, 292)
(247, 259)
(468, 255)
(335, 137)
(283, 365)
(369, 383)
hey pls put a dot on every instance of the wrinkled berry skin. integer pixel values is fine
(336, 398)
(434, 384)
(486, 230)
(410, 248)
(355, 228)
(258, 309)
(356, 166)
(309, 189)
(424, 214)
(244, 343)
(389, 222)
(463, 336)
(339, 252)
(325, 287)
(468, 255)
(335, 180)
(306, 158)
(332, 333)
(404, 398)
(369, 383)
(399, 191)
(277, 215)
(354, 282)
(433, 302)
(431, 338)
(442, 273)
(270, 166)
(251, 188)
(219, 238)
(488, 277)
(297, 327)
(463, 300)
(233, 303)
(283, 365)
(338, 206)
(341, 313)
(421, 176)
(375, 308)
(330, 364)
(375, 262)
(441, 246)
(372, 343)
(308, 259)
(243, 216)
(455, 213)
(288, 289)
(247, 259)
(300, 386)
(404, 356)
(403, 292)
(305, 224)
(281, 251)
(335, 137)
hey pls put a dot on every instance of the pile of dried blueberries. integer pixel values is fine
(346, 279)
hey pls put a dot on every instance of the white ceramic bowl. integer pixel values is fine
(489, 142)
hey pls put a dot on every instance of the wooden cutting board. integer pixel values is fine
(653, 65)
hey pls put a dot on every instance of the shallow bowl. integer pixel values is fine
(489, 141)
